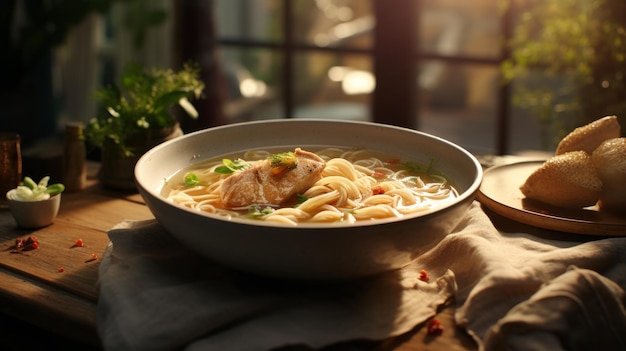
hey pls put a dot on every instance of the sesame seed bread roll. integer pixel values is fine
(568, 180)
(609, 159)
(588, 137)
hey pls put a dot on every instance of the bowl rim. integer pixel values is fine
(12, 191)
(471, 191)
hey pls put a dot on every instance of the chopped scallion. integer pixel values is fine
(191, 179)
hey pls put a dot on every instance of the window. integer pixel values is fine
(297, 58)
(435, 67)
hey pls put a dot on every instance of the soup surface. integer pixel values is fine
(312, 185)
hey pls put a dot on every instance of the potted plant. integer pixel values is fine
(568, 62)
(139, 116)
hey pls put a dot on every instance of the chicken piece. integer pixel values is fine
(567, 180)
(588, 137)
(610, 161)
(264, 184)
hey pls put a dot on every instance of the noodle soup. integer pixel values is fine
(354, 185)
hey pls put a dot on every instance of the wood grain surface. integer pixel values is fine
(52, 291)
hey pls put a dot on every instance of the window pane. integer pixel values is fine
(333, 86)
(249, 19)
(527, 132)
(461, 27)
(253, 84)
(458, 103)
(333, 23)
(541, 102)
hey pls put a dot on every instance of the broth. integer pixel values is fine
(355, 185)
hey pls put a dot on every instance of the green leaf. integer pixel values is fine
(55, 189)
(301, 199)
(170, 99)
(191, 179)
(232, 166)
(223, 170)
(255, 212)
(29, 183)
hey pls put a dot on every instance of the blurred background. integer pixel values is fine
(453, 68)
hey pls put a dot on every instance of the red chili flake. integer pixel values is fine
(78, 243)
(93, 257)
(378, 190)
(30, 243)
(434, 327)
(61, 269)
(31, 246)
(31, 240)
(424, 276)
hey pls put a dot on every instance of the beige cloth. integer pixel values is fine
(541, 291)
(157, 295)
(512, 290)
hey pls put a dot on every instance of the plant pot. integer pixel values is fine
(118, 171)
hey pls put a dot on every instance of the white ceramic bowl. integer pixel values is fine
(308, 251)
(35, 214)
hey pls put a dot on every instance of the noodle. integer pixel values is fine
(355, 185)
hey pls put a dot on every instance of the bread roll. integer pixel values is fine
(609, 159)
(566, 180)
(588, 137)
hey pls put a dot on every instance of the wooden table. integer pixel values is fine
(54, 286)
(52, 291)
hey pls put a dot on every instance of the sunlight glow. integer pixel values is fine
(252, 88)
(358, 82)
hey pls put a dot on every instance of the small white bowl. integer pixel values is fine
(35, 214)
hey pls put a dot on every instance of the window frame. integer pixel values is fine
(395, 100)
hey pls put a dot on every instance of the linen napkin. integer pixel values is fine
(515, 288)
(534, 289)
(156, 294)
